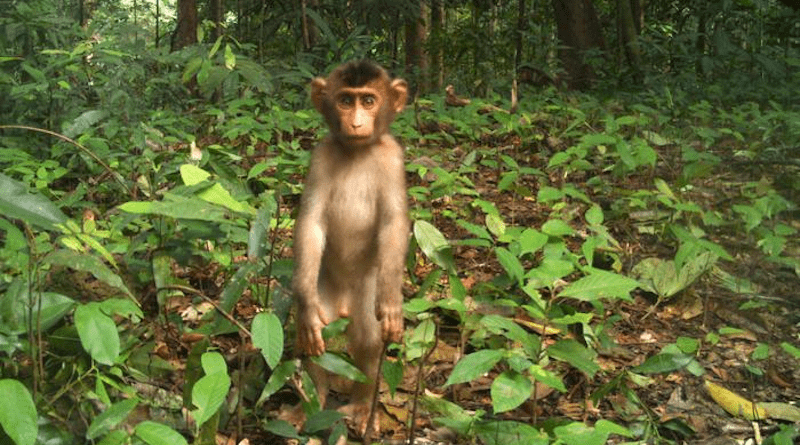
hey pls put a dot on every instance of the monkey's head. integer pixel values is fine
(358, 100)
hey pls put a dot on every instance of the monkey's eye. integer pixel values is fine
(368, 101)
(346, 101)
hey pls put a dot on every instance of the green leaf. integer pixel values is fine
(16, 202)
(208, 393)
(14, 308)
(792, 350)
(280, 375)
(434, 245)
(282, 428)
(531, 240)
(557, 228)
(230, 57)
(474, 365)
(322, 420)
(154, 433)
(268, 336)
(83, 122)
(98, 333)
(18, 413)
(594, 216)
(193, 175)
(509, 390)
(88, 263)
(547, 377)
(495, 224)
(510, 263)
(110, 418)
(337, 365)
(663, 362)
(212, 363)
(178, 208)
(576, 355)
(392, 374)
(600, 284)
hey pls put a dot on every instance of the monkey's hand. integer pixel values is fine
(391, 318)
(310, 322)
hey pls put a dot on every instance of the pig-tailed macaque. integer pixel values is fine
(351, 235)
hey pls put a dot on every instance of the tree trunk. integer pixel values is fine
(579, 31)
(216, 14)
(437, 47)
(416, 61)
(186, 28)
(522, 21)
(310, 31)
(628, 35)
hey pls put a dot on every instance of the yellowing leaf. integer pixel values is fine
(735, 404)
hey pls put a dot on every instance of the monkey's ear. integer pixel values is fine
(318, 93)
(399, 89)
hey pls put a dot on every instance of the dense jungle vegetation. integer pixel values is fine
(603, 195)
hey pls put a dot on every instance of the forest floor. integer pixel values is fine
(675, 404)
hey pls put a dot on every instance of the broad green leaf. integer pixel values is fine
(230, 57)
(18, 203)
(547, 377)
(594, 216)
(510, 263)
(208, 393)
(340, 366)
(792, 350)
(154, 433)
(88, 263)
(17, 412)
(474, 365)
(282, 428)
(662, 363)
(509, 390)
(268, 336)
(83, 122)
(178, 208)
(531, 240)
(495, 224)
(434, 245)
(508, 432)
(392, 374)
(14, 308)
(600, 284)
(280, 375)
(576, 433)
(122, 307)
(98, 333)
(497, 324)
(557, 228)
(110, 418)
(213, 362)
(193, 175)
(576, 355)
(322, 420)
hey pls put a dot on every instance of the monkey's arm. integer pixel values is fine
(392, 247)
(309, 242)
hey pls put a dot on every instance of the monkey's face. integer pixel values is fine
(360, 114)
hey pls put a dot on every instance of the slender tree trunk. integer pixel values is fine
(628, 36)
(579, 31)
(437, 44)
(416, 60)
(310, 31)
(216, 14)
(186, 28)
(522, 26)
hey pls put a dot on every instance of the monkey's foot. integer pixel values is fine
(358, 416)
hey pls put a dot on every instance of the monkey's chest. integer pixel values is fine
(353, 209)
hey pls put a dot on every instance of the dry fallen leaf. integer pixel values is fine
(735, 404)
